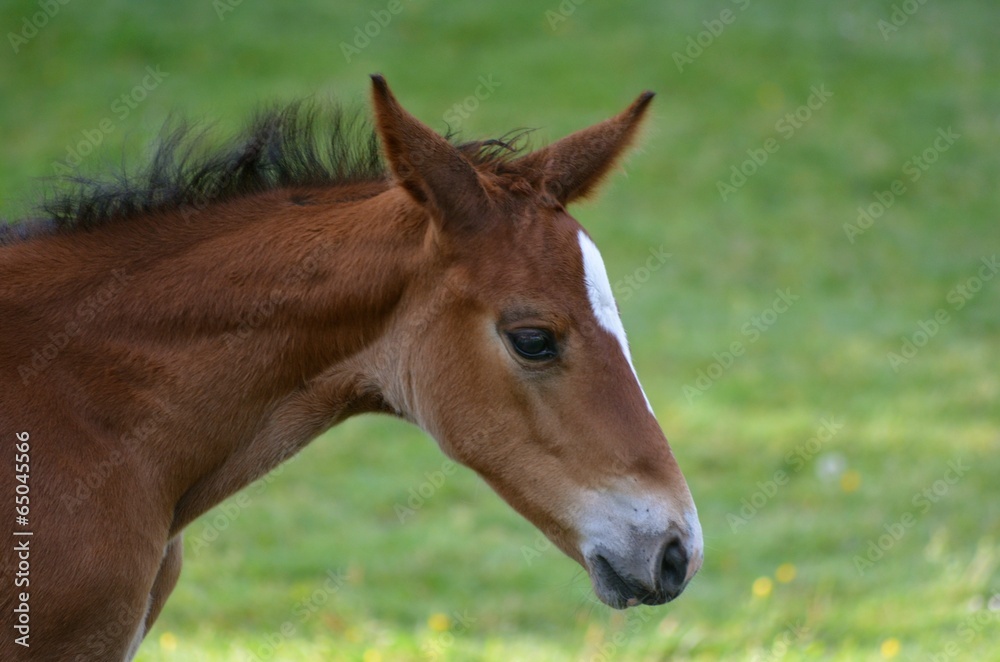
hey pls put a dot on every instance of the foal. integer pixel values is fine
(166, 344)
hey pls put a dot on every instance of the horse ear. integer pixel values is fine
(572, 167)
(431, 169)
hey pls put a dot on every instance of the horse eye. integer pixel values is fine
(533, 344)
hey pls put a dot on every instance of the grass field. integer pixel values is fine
(843, 449)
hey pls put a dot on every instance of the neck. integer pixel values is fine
(267, 329)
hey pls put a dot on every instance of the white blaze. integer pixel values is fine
(602, 300)
(608, 519)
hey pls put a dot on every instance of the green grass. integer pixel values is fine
(332, 510)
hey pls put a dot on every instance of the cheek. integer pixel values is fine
(461, 378)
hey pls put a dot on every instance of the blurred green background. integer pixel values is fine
(845, 454)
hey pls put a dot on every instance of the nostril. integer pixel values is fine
(673, 566)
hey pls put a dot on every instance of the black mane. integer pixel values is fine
(302, 144)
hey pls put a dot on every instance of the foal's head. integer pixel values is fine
(513, 356)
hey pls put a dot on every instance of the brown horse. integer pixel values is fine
(170, 338)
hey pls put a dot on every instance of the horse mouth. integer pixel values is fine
(620, 591)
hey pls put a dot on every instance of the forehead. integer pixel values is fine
(538, 258)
